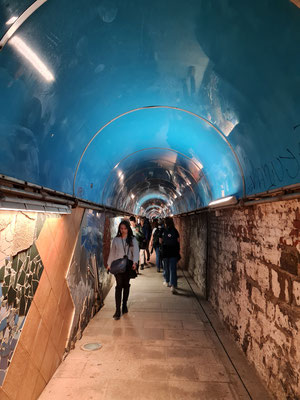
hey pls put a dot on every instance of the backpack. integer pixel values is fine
(169, 238)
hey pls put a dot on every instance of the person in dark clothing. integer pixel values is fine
(169, 241)
(146, 228)
(154, 243)
(123, 244)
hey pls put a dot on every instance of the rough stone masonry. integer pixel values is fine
(253, 273)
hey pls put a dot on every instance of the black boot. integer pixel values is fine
(118, 296)
(125, 298)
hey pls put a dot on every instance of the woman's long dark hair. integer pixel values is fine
(130, 233)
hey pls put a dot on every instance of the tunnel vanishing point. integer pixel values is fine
(114, 108)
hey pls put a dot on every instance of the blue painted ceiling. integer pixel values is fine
(226, 74)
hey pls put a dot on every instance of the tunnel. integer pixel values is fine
(112, 109)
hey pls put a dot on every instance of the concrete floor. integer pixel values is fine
(164, 348)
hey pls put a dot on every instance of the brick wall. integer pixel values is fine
(254, 285)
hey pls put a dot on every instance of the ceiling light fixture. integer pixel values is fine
(32, 57)
(230, 200)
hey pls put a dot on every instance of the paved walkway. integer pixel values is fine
(164, 348)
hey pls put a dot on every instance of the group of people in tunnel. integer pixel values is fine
(135, 241)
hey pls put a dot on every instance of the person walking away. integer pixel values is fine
(170, 253)
(146, 228)
(154, 243)
(123, 244)
(138, 233)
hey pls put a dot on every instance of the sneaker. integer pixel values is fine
(173, 290)
(165, 283)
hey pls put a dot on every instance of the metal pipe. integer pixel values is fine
(245, 203)
(276, 190)
(39, 196)
(20, 182)
(33, 195)
(101, 208)
(289, 196)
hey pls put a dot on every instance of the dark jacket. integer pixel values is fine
(147, 230)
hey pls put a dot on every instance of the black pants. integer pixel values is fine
(122, 281)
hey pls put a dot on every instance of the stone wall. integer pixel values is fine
(254, 285)
(193, 246)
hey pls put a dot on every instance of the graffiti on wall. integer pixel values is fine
(274, 173)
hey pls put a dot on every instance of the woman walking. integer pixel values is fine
(170, 253)
(123, 244)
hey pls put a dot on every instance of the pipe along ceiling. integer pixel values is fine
(155, 108)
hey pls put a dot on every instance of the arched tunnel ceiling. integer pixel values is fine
(152, 171)
(225, 71)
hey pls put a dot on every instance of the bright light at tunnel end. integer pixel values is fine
(223, 201)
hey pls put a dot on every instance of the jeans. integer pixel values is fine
(158, 260)
(142, 257)
(170, 270)
(147, 251)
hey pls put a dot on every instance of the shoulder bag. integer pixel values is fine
(119, 266)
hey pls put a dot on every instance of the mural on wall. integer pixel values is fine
(20, 271)
(87, 277)
(114, 225)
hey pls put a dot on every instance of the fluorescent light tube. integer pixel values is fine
(223, 201)
(32, 57)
